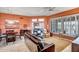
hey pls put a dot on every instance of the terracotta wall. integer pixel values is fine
(28, 20)
(65, 13)
(22, 19)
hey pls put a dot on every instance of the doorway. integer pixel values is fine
(37, 23)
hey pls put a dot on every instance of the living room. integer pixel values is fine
(18, 24)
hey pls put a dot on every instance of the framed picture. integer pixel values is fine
(11, 24)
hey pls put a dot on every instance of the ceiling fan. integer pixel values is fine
(49, 8)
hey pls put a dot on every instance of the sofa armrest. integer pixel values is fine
(48, 48)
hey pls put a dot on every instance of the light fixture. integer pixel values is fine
(49, 8)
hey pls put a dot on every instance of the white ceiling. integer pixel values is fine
(33, 11)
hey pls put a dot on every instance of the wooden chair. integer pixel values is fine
(10, 36)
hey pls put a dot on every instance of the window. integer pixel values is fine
(68, 25)
(34, 20)
(41, 20)
(73, 26)
(54, 26)
(59, 26)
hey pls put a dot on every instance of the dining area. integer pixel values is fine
(9, 36)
